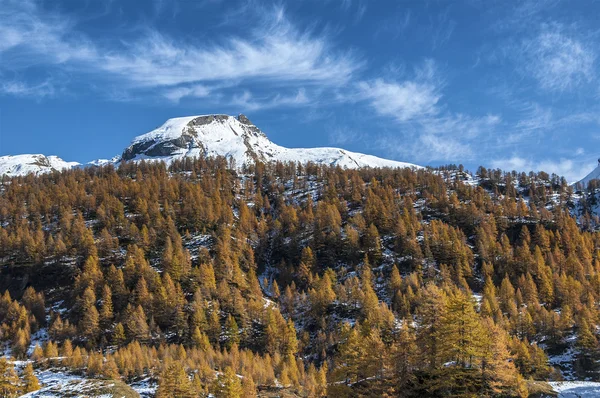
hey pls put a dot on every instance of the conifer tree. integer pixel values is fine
(498, 370)
(460, 335)
(118, 335)
(351, 351)
(248, 387)
(89, 324)
(430, 313)
(137, 327)
(228, 385)
(404, 356)
(30, 381)
(175, 383)
(232, 332)
(9, 380)
(106, 312)
(37, 354)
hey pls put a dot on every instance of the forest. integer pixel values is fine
(299, 280)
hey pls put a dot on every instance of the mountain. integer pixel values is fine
(207, 135)
(19, 165)
(276, 280)
(239, 139)
(593, 175)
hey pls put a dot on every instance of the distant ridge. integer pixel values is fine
(205, 135)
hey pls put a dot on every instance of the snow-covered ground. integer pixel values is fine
(20, 165)
(53, 383)
(57, 383)
(208, 135)
(236, 138)
(146, 388)
(593, 175)
(575, 389)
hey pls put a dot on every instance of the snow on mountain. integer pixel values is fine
(594, 175)
(20, 165)
(208, 135)
(237, 138)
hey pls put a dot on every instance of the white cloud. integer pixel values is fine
(427, 130)
(403, 101)
(30, 36)
(558, 60)
(195, 91)
(280, 55)
(248, 102)
(343, 135)
(21, 89)
(572, 170)
(537, 118)
(452, 138)
(443, 147)
(275, 51)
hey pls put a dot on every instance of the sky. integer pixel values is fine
(502, 84)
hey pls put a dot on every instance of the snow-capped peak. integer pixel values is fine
(232, 137)
(19, 165)
(236, 138)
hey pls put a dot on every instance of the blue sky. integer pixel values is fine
(496, 83)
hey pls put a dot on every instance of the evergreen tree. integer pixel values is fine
(228, 385)
(30, 381)
(460, 334)
(9, 380)
(404, 357)
(430, 313)
(89, 324)
(232, 332)
(175, 383)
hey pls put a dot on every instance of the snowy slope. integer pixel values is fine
(20, 165)
(208, 135)
(239, 139)
(576, 389)
(594, 175)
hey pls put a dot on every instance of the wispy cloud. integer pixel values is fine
(536, 118)
(177, 93)
(394, 26)
(275, 51)
(442, 29)
(449, 138)
(248, 102)
(21, 89)
(426, 130)
(39, 37)
(404, 101)
(280, 54)
(559, 61)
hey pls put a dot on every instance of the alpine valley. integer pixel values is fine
(207, 261)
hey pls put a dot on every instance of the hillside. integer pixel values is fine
(280, 279)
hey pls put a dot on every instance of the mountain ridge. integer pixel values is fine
(210, 135)
(23, 164)
(593, 175)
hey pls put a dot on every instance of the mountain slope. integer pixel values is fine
(593, 175)
(239, 139)
(19, 165)
(209, 135)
